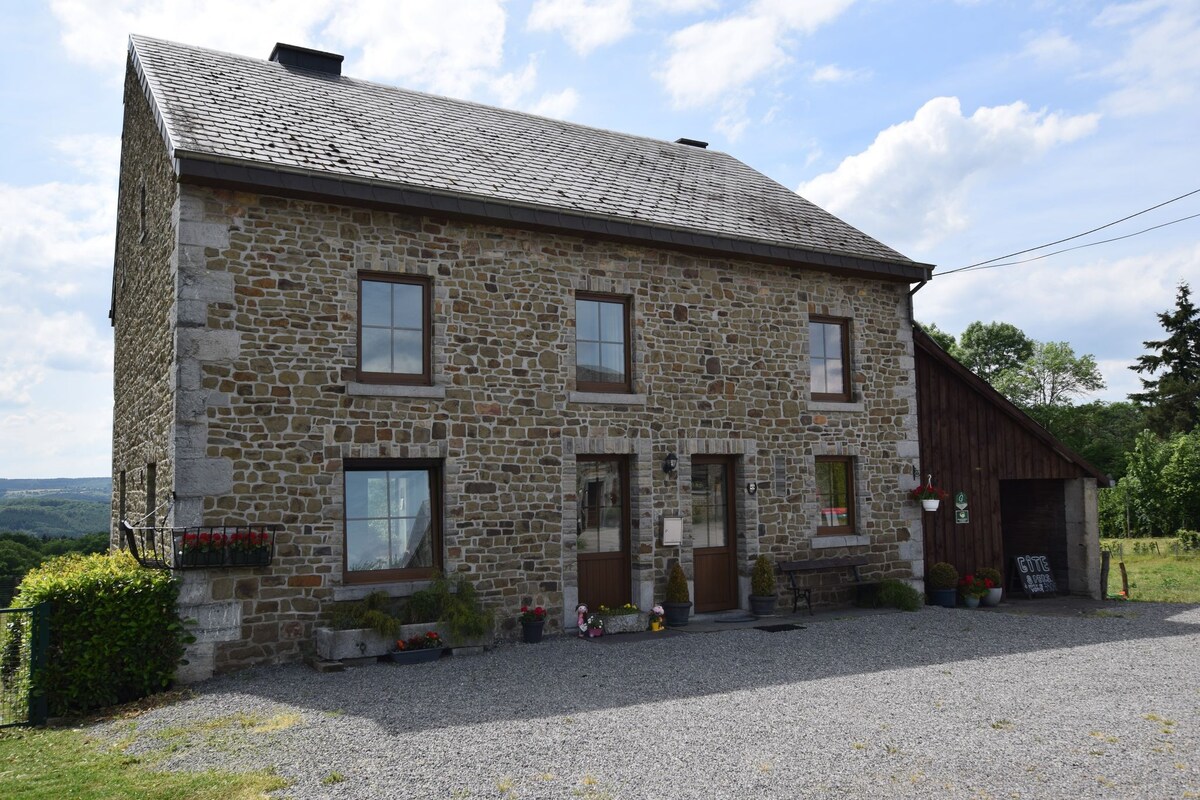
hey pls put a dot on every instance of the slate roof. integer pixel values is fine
(280, 125)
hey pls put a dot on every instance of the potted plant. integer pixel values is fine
(201, 549)
(928, 494)
(678, 603)
(358, 629)
(533, 620)
(943, 578)
(595, 626)
(973, 588)
(762, 587)
(249, 548)
(992, 598)
(417, 649)
(454, 605)
(656, 618)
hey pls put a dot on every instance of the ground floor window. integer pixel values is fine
(393, 520)
(835, 495)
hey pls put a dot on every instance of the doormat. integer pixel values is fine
(786, 626)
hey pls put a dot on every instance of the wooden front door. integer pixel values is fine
(603, 526)
(714, 533)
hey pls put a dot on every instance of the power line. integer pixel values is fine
(1070, 238)
(987, 265)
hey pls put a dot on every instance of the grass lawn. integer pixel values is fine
(59, 763)
(1154, 577)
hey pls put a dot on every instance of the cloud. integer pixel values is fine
(590, 24)
(832, 73)
(1160, 68)
(94, 32)
(1051, 48)
(37, 344)
(1104, 306)
(585, 24)
(710, 60)
(911, 185)
(450, 48)
(66, 441)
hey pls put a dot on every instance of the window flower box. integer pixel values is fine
(201, 546)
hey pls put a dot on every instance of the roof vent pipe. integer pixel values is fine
(302, 58)
(692, 143)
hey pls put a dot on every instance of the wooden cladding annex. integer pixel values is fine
(971, 439)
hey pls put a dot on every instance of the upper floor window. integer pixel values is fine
(393, 520)
(830, 349)
(835, 495)
(394, 329)
(603, 359)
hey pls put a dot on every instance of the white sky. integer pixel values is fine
(952, 131)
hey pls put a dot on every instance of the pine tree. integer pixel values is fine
(1172, 398)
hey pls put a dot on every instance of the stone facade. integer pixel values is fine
(236, 352)
(144, 297)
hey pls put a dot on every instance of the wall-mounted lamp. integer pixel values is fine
(752, 488)
(671, 463)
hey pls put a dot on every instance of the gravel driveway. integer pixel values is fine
(937, 703)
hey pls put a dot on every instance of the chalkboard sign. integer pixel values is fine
(1035, 576)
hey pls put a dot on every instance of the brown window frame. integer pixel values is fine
(612, 387)
(849, 527)
(846, 395)
(436, 500)
(425, 376)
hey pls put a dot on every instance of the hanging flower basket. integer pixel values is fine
(929, 495)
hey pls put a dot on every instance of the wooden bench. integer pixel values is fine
(793, 568)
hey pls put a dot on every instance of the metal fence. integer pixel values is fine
(24, 640)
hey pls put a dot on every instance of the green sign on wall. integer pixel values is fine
(961, 515)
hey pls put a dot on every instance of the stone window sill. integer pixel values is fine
(614, 398)
(358, 591)
(827, 407)
(355, 389)
(830, 542)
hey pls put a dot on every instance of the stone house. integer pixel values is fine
(421, 334)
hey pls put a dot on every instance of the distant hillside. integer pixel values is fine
(53, 516)
(94, 489)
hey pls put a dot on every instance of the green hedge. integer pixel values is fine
(115, 634)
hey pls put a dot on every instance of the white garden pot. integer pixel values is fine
(930, 505)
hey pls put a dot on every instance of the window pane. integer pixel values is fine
(366, 544)
(612, 363)
(389, 519)
(587, 320)
(407, 309)
(612, 322)
(587, 362)
(406, 352)
(376, 303)
(833, 492)
(601, 507)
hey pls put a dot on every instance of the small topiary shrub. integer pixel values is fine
(898, 594)
(762, 579)
(677, 588)
(115, 633)
(943, 576)
(990, 574)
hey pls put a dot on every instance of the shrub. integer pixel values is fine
(370, 612)
(453, 602)
(1188, 540)
(993, 575)
(943, 576)
(115, 633)
(677, 588)
(762, 579)
(898, 594)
